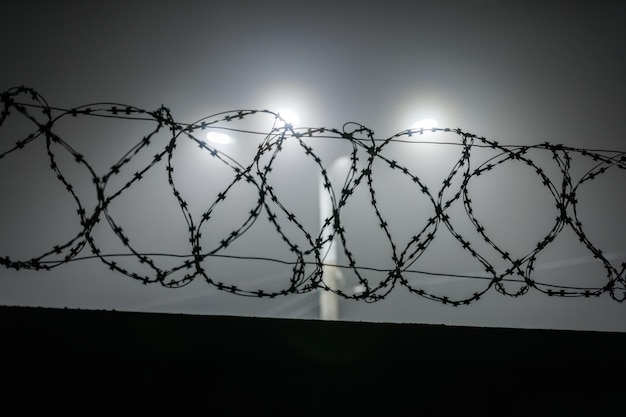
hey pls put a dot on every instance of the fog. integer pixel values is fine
(517, 73)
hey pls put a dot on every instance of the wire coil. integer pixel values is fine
(308, 252)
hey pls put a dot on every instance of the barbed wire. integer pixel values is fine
(365, 152)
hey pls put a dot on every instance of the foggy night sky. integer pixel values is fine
(519, 72)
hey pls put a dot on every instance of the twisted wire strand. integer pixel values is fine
(307, 266)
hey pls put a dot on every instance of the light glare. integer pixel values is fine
(288, 117)
(425, 124)
(217, 137)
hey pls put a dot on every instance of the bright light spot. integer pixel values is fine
(289, 117)
(217, 137)
(359, 289)
(425, 124)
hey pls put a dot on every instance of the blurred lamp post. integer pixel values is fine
(329, 301)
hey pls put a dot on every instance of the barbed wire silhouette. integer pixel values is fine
(366, 152)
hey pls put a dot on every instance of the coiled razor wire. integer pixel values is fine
(309, 264)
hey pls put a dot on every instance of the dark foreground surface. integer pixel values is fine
(87, 362)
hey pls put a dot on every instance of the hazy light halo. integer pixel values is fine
(288, 116)
(217, 137)
(425, 124)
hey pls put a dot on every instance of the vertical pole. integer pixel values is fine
(329, 301)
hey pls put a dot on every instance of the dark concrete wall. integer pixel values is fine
(86, 361)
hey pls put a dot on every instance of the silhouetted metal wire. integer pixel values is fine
(28, 103)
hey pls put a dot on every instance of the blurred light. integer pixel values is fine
(288, 117)
(425, 124)
(217, 137)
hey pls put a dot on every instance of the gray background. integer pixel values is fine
(519, 72)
